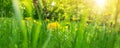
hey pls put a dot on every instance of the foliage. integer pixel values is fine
(59, 24)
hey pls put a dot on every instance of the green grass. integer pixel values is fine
(38, 36)
(17, 32)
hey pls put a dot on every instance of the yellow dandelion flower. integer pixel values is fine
(53, 26)
(28, 18)
(74, 19)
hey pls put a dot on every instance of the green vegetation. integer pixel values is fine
(59, 24)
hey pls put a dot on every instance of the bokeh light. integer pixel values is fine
(100, 3)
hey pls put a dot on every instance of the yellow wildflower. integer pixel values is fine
(28, 18)
(74, 19)
(53, 26)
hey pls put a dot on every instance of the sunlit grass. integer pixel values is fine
(77, 27)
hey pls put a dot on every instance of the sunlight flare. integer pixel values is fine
(100, 3)
(53, 3)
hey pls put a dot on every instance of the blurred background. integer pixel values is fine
(59, 24)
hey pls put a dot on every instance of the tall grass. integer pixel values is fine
(16, 32)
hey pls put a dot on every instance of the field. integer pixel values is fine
(59, 24)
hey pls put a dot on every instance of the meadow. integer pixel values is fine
(59, 24)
